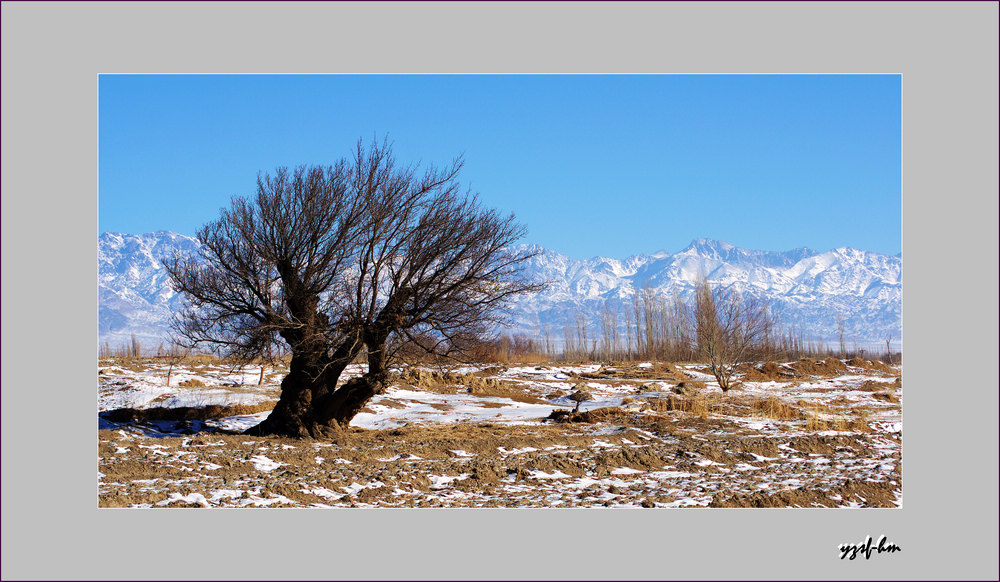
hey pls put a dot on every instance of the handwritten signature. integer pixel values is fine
(866, 548)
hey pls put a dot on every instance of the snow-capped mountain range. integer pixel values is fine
(809, 290)
(133, 290)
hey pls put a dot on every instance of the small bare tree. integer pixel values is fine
(175, 356)
(729, 327)
(360, 257)
(628, 334)
(640, 350)
(841, 329)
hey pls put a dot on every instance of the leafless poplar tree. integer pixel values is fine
(335, 261)
(581, 333)
(680, 331)
(547, 335)
(841, 329)
(729, 328)
(609, 331)
(640, 349)
(569, 350)
(649, 319)
(175, 356)
(628, 334)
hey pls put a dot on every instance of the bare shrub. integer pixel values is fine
(730, 327)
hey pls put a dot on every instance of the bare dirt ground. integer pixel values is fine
(800, 434)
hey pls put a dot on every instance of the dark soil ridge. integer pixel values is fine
(179, 413)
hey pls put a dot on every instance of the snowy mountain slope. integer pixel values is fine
(134, 295)
(808, 289)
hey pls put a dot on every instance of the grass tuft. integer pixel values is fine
(775, 408)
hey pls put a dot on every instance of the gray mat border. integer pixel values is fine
(51, 56)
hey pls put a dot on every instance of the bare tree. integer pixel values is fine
(729, 327)
(628, 333)
(609, 331)
(547, 336)
(640, 350)
(649, 319)
(581, 334)
(360, 257)
(681, 329)
(841, 329)
(175, 356)
(569, 349)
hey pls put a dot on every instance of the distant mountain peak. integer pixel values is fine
(704, 244)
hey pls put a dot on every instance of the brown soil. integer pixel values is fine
(764, 447)
(691, 384)
(396, 466)
(872, 365)
(827, 368)
(874, 386)
(826, 445)
(428, 380)
(391, 403)
(448, 383)
(770, 372)
(869, 494)
(605, 414)
(658, 371)
(678, 447)
(491, 387)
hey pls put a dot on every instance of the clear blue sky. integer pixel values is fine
(608, 165)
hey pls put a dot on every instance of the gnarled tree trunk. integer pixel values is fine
(310, 404)
(295, 413)
(341, 406)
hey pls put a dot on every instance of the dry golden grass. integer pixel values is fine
(775, 408)
(697, 405)
(839, 422)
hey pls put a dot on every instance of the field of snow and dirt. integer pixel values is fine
(800, 434)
